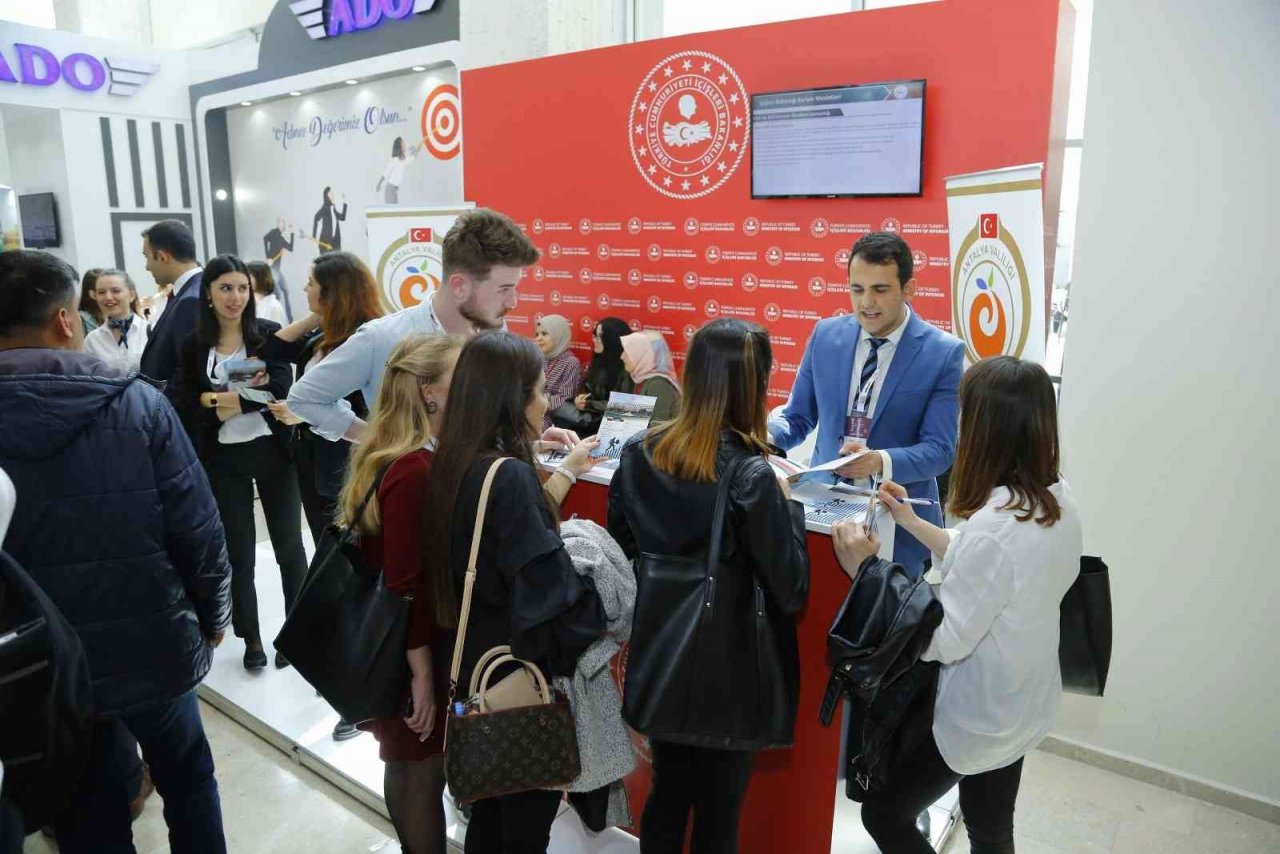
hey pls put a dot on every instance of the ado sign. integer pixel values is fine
(326, 18)
(38, 66)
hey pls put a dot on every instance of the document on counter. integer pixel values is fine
(795, 472)
(825, 505)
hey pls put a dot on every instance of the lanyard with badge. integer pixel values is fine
(857, 424)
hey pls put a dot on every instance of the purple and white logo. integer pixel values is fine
(328, 18)
(39, 66)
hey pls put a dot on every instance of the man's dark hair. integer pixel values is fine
(32, 285)
(172, 236)
(481, 239)
(881, 248)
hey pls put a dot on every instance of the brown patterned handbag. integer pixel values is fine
(491, 749)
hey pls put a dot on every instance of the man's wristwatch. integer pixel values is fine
(209, 400)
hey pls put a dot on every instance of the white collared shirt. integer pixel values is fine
(884, 358)
(124, 355)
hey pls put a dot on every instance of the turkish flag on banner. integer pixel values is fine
(989, 225)
(419, 235)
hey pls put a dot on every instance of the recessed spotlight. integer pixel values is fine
(220, 195)
(295, 94)
(419, 68)
(246, 103)
(352, 82)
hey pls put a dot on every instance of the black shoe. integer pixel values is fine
(281, 661)
(254, 657)
(344, 730)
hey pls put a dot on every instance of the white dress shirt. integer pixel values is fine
(884, 358)
(124, 355)
(1002, 585)
(269, 307)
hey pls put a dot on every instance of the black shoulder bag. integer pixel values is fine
(1084, 638)
(346, 632)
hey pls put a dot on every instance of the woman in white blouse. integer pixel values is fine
(120, 339)
(1004, 572)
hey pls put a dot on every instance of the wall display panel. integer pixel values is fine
(630, 166)
(305, 170)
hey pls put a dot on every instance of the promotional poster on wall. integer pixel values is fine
(406, 251)
(307, 169)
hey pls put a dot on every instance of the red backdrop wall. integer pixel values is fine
(554, 143)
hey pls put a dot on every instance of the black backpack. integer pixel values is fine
(46, 707)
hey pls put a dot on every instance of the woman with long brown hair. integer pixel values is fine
(526, 593)
(394, 460)
(1005, 569)
(90, 313)
(661, 502)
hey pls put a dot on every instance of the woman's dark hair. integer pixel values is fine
(726, 387)
(606, 368)
(397, 147)
(87, 284)
(207, 329)
(1008, 437)
(484, 418)
(324, 200)
(348, 297)
(261, 277)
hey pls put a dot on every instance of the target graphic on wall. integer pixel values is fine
(442, 122)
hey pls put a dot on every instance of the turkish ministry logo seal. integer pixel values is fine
(689, 124)
(410, 270)
(991, 292)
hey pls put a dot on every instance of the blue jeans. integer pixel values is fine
(174, 745)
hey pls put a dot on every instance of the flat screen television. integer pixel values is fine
(39, 213)
(839, 141)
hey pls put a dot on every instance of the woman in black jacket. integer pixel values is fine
(238, 440)
(605, 374)
(326, 226)
(526, 592)
(727, 696)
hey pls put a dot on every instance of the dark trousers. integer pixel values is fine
(709, 783)
(174, 745)
(986, 800)
(319, 507)
(233, 471)
(512, 824)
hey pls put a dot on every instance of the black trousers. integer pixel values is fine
(233, 470)
(709, 783)
(319, 507)
(512, 824)
(986, 800)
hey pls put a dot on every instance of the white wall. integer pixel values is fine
(36, 158)
(186, 24)
(514, 30)
(1169, 398)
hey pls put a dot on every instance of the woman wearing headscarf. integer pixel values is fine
(647, 358)
(605, 375)
(564, 371)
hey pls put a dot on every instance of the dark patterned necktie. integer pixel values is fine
(123, 325)
(869, 372)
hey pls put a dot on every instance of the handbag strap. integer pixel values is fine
(349, 534)
(470, 581)
(717, 521)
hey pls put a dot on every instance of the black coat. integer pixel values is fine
(192, 380)
(764, 542)
(169, 330)
(116, 523)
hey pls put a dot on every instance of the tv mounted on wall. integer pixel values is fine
(39, 214)
(839, 141)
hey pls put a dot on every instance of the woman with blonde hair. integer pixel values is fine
(394, 463)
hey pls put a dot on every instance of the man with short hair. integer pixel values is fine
(484, 252)
(116, 523)
(170, 252)
(882, 379)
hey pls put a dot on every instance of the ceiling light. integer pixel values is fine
(295, 94)
(246, 103)
(352, 82)
(419, 68)
(220, 195)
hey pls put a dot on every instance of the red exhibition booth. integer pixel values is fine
(569, 146)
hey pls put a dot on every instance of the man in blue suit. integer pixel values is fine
(170, 250)
(882, 379)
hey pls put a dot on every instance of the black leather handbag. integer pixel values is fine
(1084, 640)
(703, 630)
(346, 632)
(491, 751)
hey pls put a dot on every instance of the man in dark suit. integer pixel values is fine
(170, 250)
(882, 379)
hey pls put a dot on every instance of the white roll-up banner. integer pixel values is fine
(405, 250)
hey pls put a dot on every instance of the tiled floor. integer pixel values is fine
(270, 804)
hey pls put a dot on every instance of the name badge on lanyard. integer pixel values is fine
(857, 424)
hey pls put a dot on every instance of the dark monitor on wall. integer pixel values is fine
(839, 141)
(39, 213)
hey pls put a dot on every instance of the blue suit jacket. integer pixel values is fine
(161, 356)
(916, 415)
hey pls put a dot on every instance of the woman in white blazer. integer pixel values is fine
(121, 338)
(1004, 569)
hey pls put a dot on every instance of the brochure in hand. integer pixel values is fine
(243, 373)
(625, 416)
(795, 472)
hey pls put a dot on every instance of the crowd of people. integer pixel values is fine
(136, 449)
